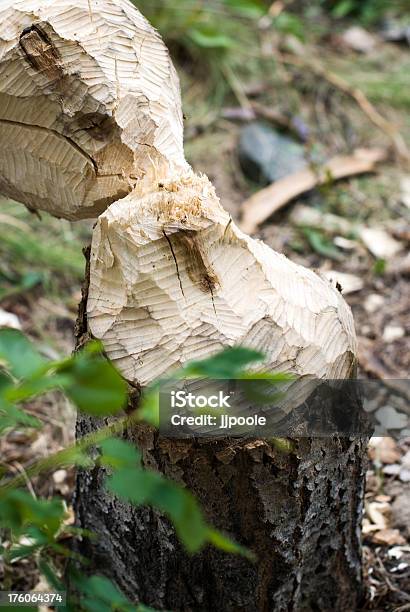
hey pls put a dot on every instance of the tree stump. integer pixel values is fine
(91, 125)
(299, 510)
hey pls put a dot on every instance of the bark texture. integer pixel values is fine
(299, 510)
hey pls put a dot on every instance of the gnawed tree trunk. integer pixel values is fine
(90, 112)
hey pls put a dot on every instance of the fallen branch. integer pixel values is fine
(266, 202)
(391, 130)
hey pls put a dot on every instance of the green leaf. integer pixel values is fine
(230, 546)
(134, 485)
(149, 408)
(210, 37)
(19, 510)
(76, 456)
(290, 24)
(253, 9)
(50, 575)
(142, 487)
(379, 267)
(321, 244)
(37, 385)
(119, 454)
(96, 387)
(19, 355)
(226, 364)
(12, 417)
(6, 383)
(343, 8)
(101, 595)
(263, 388)
(37, 540)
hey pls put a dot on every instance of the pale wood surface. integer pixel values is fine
(89, 104)
(90, 112)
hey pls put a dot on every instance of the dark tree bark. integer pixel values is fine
(299, 511)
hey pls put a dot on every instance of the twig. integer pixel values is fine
(236, 86)
(266, 202)
(19, 468)
(358, 96)
(64, 457)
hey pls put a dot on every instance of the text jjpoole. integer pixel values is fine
(223, 421)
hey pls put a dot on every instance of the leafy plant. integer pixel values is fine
(35, 253)
(214, 40)
(37, 528)
(321, 244)
(198, 25)
(367, 11)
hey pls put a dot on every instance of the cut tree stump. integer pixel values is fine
(299, 510)
(91, 125)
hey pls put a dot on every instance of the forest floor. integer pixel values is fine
(41, 264)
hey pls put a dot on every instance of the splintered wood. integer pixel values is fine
(90, 121)
(173, 279)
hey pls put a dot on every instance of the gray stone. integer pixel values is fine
(267, 156)
(401, 510)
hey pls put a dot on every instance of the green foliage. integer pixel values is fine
(198, 26)
(98, 594)
(145, 487)
(34, 525)
(227, 364)
(117, 454)
(34, 252)
(287, 23)
(36, 528)
(93, 384)
(379, 268)
(367, 10)
(18, 355)
(214, 39)
(321, 244)
(87, 378)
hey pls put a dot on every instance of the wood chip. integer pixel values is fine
(380, 243)
(392, 333)
(386, 451)
(373, 303)
(306, 216)
(8, 319)
(359, 39)
(266, 202)
(405, 191)
(348, 282)
(388, 537)
(378, 513)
